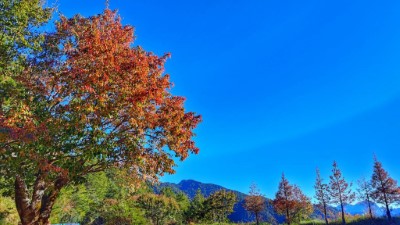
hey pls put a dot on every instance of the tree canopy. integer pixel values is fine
(89, 101)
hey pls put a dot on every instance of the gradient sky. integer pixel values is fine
(283, 86)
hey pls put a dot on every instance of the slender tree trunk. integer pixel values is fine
(389, 216)
(257, 218)
(343, 218)
(287, 216)
(369, 208)
(325, 214)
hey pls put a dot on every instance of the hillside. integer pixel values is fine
(190, 187)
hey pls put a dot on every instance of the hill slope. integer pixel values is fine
(190, 187)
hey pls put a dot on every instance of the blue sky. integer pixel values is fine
(283, 86)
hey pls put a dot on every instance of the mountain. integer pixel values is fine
(361, 208)
(190, 187)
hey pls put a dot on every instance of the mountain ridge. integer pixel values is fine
(190, 187)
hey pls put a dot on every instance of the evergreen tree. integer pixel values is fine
(365, 193)
(322, 195)
(340, 190)
(196, 210)
(385, 189)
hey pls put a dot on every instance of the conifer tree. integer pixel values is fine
(385, 189)
(322, 194)
(364, 194)
(255, 202)
(291, 202)
(340, 190)
(195, 212)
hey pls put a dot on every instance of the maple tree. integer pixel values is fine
(365, 194)
(89, 101)
(340, 190)
(291, 202)
(385, 189)
(322, 195)
(19, 36)
(255, 202)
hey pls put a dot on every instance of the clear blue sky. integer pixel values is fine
(281, 85)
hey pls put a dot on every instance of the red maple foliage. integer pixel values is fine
(255, 202)
(90, 101)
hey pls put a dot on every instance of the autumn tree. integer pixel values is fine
(19, 35)
(365, 193)
(340, 191)
(219, 205)
(255, 202)
(89, 101)
(322, 195)
(385, 189)
(291, 202)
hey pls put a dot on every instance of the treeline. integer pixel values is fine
(109, 198)
(106, 198)
(291, 203)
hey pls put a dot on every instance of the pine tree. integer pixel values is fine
(385, 189)
(364, 194)
(340, 190)
(291, 202)
(322, 194)
(196, 210)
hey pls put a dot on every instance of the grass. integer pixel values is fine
(357, 221)
(352, 221)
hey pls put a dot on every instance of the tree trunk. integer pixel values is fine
(23, 202)
(369, 208)
(37, 210)
(325, 214)
(287, 216)
(389, 216)
(343, 218)
(257, 219)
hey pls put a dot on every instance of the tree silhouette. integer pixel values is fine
(340, 190)
(322, 194)
(365, 193)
